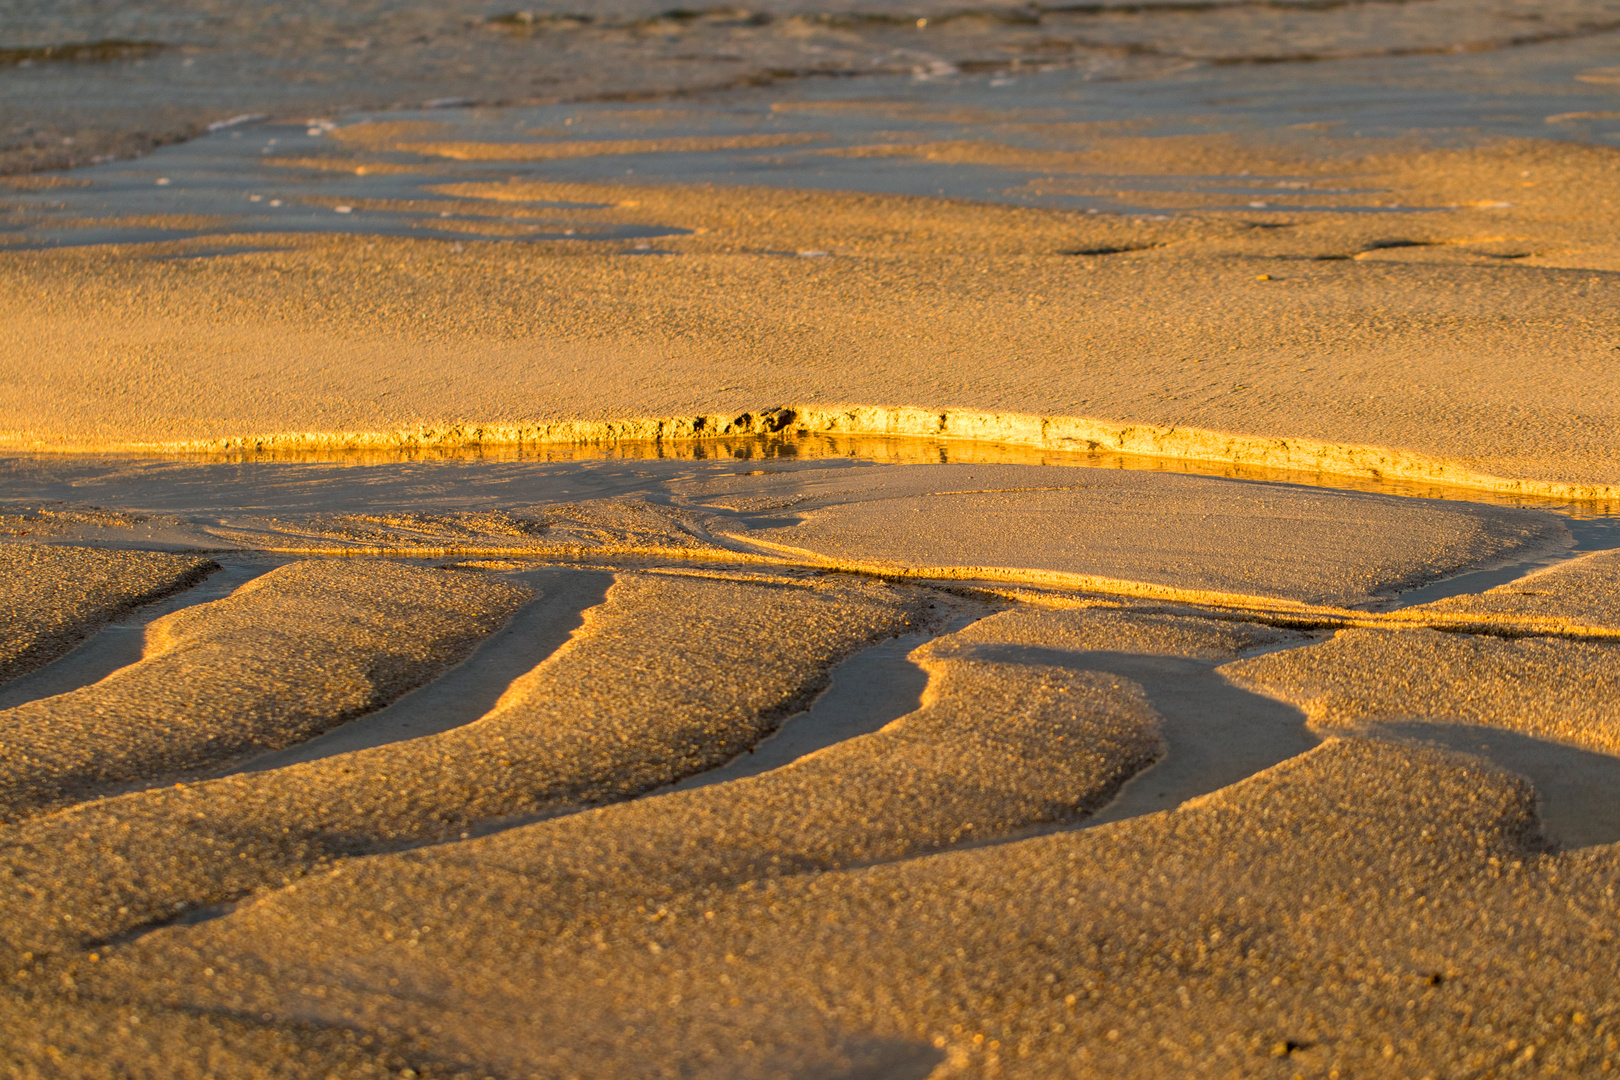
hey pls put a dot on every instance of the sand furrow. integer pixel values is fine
(669, 677)
(995, 748)
(1294, 923)
(288, 655)
(1082, 434)
(51, 598)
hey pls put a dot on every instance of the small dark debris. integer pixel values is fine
(1435, 978)
(1109, 250)
(529, 18)
(1388, 245)
(82, 51)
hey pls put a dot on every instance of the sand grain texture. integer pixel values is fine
(1148, 819)
(288, 655)
(639, 698)
(52, 598)
(1277, 928)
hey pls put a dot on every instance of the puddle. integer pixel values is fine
(337, 481)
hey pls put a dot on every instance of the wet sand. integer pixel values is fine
(1180, 532)
(87, 83)
(54, 597)
(565, 887)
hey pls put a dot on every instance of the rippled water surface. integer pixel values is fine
(1413, 73)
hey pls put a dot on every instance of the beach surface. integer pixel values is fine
(839, 541)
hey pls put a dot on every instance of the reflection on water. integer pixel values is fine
(615, 468)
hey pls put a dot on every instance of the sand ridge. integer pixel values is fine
(685, 657)
(298, 650)
(51, 598)
(891, 879)
(1124, 951)
(633, 701)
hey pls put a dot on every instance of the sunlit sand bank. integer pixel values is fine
(1347, 343)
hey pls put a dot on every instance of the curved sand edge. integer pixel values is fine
(1058, 433)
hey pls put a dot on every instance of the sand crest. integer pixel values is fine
(933, 304)
(1564, 691)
